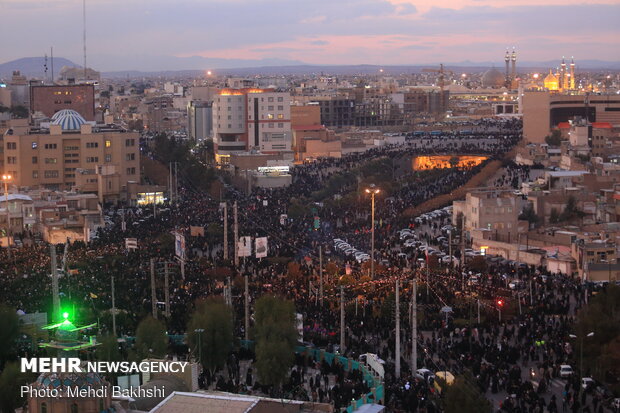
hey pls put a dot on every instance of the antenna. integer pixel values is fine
(45, 67)
(84, 18)
(52, 58)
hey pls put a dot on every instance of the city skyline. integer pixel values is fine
(144, 35)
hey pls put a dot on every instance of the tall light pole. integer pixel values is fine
(372, 190)
(5, 180)
(581, 358)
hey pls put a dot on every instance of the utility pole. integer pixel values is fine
(55, 290)
(167, 289)
(342, 326)
(321, 274)
(414, 327)
(113, 310)
(153, 292)
(247, 307)
(531, 296)
(478, 311)
(170, 190)
(236, 232)
(176, 182)
(450, 247)
(225, 230)
(397, 350)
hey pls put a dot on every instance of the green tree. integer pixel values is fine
(11, 381)
(9, 331)
(571, 211)
(555, 139)
(107, 350)
(210, 332)
(464, 396)
(528, 214)
(19, 112)
(151, 338)
(276, 336)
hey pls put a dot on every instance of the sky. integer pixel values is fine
(163, 34)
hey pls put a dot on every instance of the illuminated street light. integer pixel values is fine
(372, 190)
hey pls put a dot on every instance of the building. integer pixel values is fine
(55, 156)
(251, 119)
(199, 120)
(19, 90)
(51, 99)
(544, 111)
(490, 209)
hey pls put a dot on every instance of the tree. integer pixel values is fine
(571, 211)
(19, 112)
(276, 336)
(107, 350)
(464, 396)
(555, 139)
(215, 342)
(478, 264)
(11, 381)
(151, 338)
(9, 331)
(528, 214)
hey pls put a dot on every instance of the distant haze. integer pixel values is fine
(159, 35)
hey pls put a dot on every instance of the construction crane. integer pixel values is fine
(441, 82)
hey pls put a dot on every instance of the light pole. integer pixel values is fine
(372, 190)
(199, 331)
(581, 351)
(5, 180)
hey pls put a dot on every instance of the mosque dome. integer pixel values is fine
(551, 81)
(493, 78)
(68, 119)
(64, 381)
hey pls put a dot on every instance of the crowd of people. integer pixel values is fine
(496, 353)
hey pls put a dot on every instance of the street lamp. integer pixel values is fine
(372, 190)
(199, 331)
(5, 179)
(581, 355)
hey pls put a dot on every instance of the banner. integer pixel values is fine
(179, 245)
(244, 247)
(131, 243)
(261, 247)
(197, 231)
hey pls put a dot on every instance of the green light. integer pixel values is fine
(65, 315)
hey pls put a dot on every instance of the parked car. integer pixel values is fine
(566, 371)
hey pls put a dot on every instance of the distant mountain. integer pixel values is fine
(34, 66)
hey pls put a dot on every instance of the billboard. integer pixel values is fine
(179, 245)
(244, 247)
(261, 247)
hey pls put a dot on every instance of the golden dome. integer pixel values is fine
(551, 81)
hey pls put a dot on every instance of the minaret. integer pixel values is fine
(507, 60)
(563, 75)
(513, 77)
(572, 73)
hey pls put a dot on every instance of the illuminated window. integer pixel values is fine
(108, 144)
(280, 116)
(269, 116)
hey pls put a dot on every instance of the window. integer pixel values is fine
(130, 157)
(35, 160)
(280, 116)
(50, 174)
(280, 125)
(271, 125)
(280, 99)
(11, 145)
(74, 408)
(92, 159)
(108, 144)
(72, 160)
(35, 174)
(43, 407)
(51, 160)
(280, 107)
(269, 116)
(270, 99)
(108, 158)
(92, 144)
(130, 142)
(71, 148)
(270, 107)
(11, 159)
(131, 171)
(35, 145)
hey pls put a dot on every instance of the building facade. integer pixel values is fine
(51, 99)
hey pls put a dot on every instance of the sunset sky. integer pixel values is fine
(123, 33)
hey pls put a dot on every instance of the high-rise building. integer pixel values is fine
(251, 119)
(51, 99)
(199, 120)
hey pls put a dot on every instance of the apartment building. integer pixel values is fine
(52, 156)
(251, 119)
